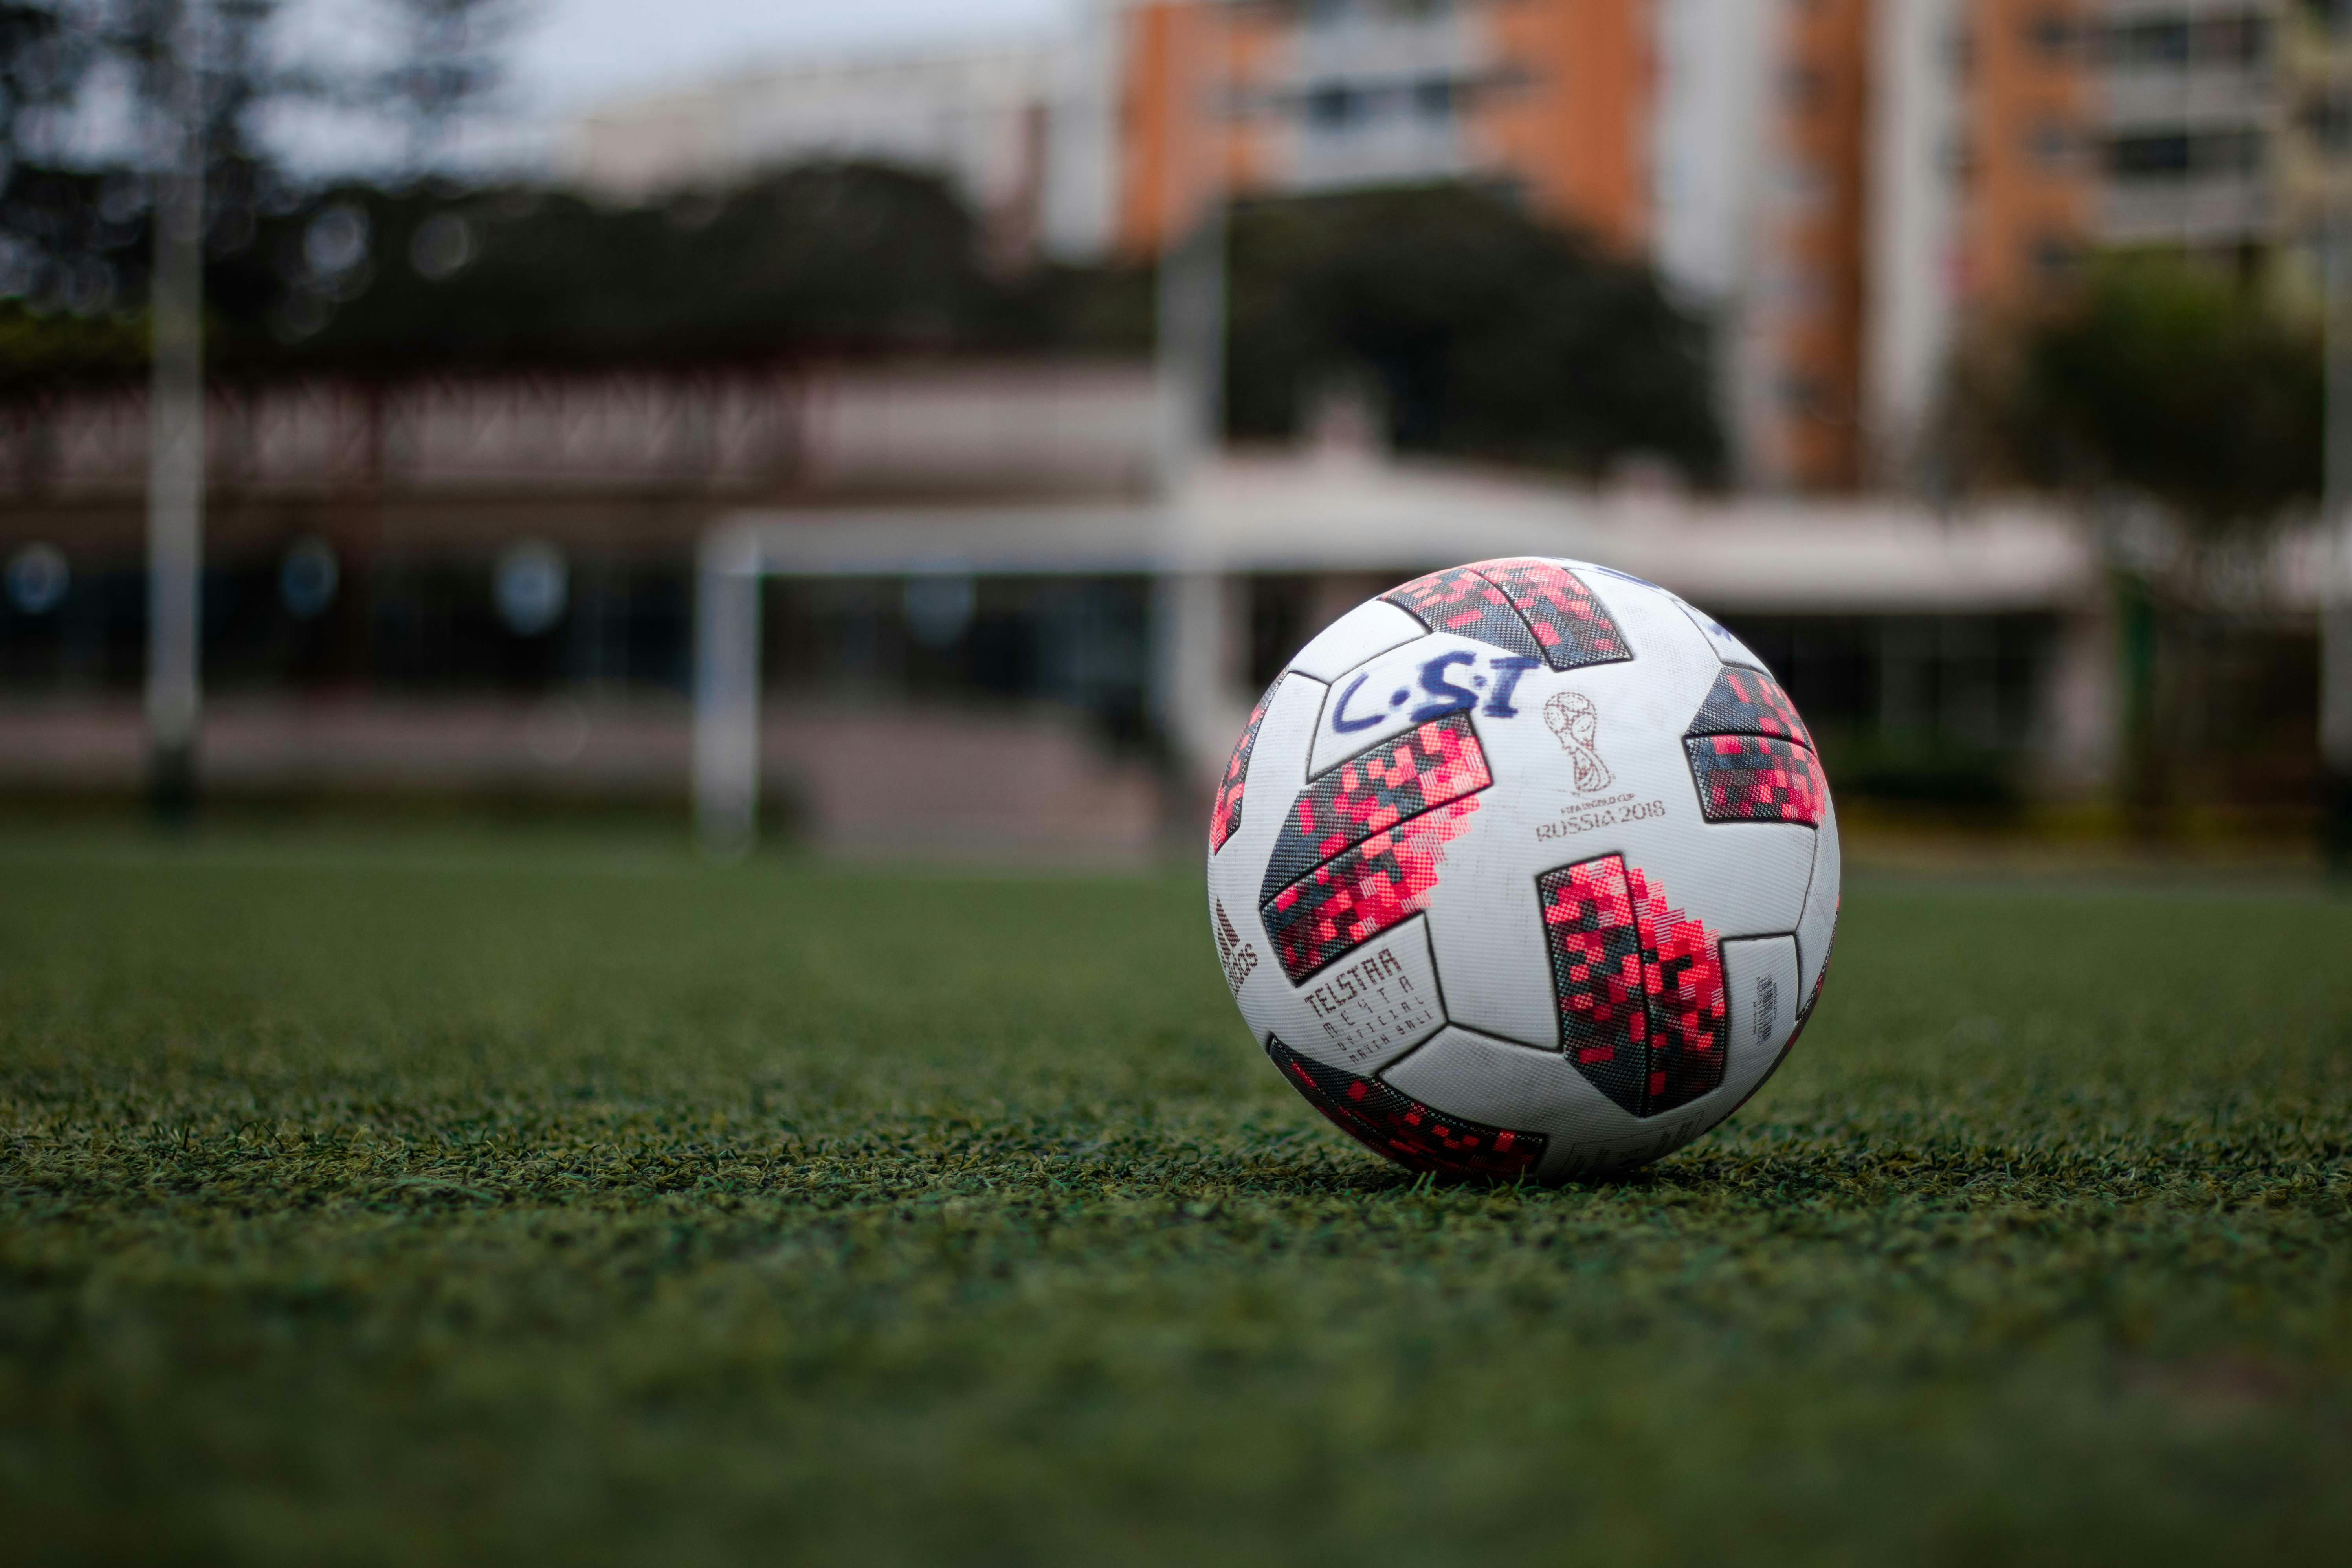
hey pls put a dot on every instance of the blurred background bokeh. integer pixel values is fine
(928, 425)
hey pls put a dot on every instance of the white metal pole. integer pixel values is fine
(175, 423)
(2335, 523)
(1190, 350)
(1188, 597)
(727, 693)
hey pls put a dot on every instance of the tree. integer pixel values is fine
(73, 230)
(47, 48)
(2168, 385)
(823, 258)
(2167, 379)
(451, 57)
(52, 220)
(1489, 333)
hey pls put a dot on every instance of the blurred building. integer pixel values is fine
(481, 586)
(1849, 187)
(2013, 139)
(1549, 99)
(1012, 123)
(487, 587)
(964, 628)
(496, 587)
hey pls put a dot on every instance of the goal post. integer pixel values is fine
(727, 582)
(734, 560)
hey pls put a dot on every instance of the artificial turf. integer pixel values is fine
(418, 1203)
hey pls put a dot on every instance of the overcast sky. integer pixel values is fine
(569, 55)
(579, 51)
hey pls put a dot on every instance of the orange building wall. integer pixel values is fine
(1574, 129)
(1179, 60)
(2017, 200)
(1820, 108)
(1148, 126)
(1571, 125)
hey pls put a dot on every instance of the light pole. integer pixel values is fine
(175, 426)
(2336, 508)
(1190, 609)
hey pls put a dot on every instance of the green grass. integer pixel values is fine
(383, 1206)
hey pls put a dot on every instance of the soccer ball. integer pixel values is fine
(1526, 868)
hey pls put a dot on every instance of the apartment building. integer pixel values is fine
(2013, 138)
(1015, 123)
(1551, 100)
(1850, 188)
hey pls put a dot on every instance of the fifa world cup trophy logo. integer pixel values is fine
(1571, 716)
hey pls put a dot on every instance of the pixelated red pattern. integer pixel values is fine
(1596, 968)
(1225, 814)
(1460, 601)
(1682, 970)
(1640, 986)
(1750, 702)
(1394, 1124)
(1754, 778)
(1440, 762)
(1362, 891)
(1573, 627)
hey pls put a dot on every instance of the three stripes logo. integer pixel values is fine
(1237, 957)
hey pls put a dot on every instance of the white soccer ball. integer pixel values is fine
(1525, 868)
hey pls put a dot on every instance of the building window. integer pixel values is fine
(2238, 39)
(2053, 258)
(1803, 395)
(1957, 158)
(1804, 190)
(1797, 292)
(2146, 44)
(2327, 122)
(2231, 40)
(2226, 152)
(2161, 156)
(2050, 144)
(1333, 106)
(2050, 34)
(1433, 97)
(2154, 156)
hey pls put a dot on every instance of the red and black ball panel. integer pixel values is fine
(1362, 891)
(1460, 601)
(1523, 606)
(1643, 1012)
(1751, 756)
(1574, 629)
(1225, 814)
(1369, 793)
(1754, 778)
(1362, 850)
(1394, 1124)
(1750, 702)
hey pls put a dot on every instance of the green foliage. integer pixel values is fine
(1491, 333)
(39, 351)
(2167, 377)
(841, 258)
(431, 1200)
(832, 258)
(1923, 769)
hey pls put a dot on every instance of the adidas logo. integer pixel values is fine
(1237, 957)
